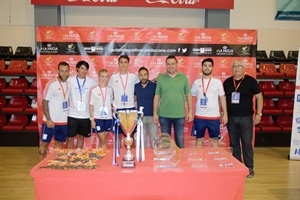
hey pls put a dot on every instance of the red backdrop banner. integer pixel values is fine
(200, 4)
(148, 47)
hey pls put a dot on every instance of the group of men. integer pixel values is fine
(164, 102)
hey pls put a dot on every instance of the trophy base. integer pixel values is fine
(128, 164)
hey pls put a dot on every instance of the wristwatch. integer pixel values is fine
(260, 114)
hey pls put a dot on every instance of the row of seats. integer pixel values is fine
(285, 88)
(281, 124)
(7, 52)
(18, 104)
(18, 67)
(276, 56)
(18, 122)
(18, 85)
(284, 106)
(287, 70)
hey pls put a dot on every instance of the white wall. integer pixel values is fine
(17, 21)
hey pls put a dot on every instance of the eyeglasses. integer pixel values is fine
(237, 66)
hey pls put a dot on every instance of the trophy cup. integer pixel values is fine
(128, 121)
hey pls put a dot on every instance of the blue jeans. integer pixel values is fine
(240, 131)
(178, 125)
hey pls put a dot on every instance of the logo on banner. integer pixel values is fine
(197, 64)
(115, 36)
(223, 63)
(203, 38)
(71, 48)
(48, 75)
(245, 38)
(187, 2)
(223, 76)
(225, 51)
(92, 34)
(159, 36)
(202, 51)
(180, 62)
(181, 36)
(224, 37)
(49, 49)
(112, 62)
(137, 35)
(49, 35)
(247, 63)
(245, 51)
(158, 63)
(48, 61)
(71, 35)
(72, 62)
(94, 49)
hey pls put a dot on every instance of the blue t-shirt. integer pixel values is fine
(145, 96)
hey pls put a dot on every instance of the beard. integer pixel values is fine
(207, 73)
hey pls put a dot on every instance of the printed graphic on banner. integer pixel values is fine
(288, 10)
(146, 47)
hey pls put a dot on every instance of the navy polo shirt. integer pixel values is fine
(145, 96)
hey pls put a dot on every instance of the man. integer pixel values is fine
(239, 90)
(122, 84)
(79, 116)
(55, 108)
(171, 92)
(144, 92)
(209, 92)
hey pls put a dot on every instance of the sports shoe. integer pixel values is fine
(251, 173)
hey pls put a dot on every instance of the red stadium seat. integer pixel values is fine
(288, 87)
(32, 69)
(33, 125)
(269, 70)
(289, 70)
(270, 108)
(15, 67)
(268, 89)
(33, 106)
(17, 122)
(16, 104)
(2, 65)
(33, 88)
(2, 83)
(2, 102)
(285, 122)
(257, 129)
(16, 86)
(3, 120)
(286, 105)
(267, 124)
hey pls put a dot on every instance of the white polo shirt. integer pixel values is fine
(100, 98)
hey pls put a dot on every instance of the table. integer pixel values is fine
(209, 174)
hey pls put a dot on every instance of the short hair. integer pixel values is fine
(123, 56)
(63, 63)
(84, 63)
(237, 62)
(102, 71)
(171, 57)
(143, 68)
(208, 60)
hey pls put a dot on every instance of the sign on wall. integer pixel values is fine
(147, 47)
(200, 4)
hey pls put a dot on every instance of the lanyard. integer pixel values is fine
(103, 96)
(124, 87)
(62, 88)
(234, 84)
(80, 88)
(205, 89)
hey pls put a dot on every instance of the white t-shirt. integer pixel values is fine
(210, 109)
(123, 85)
(56, 93)
(79, 96)
(101, 99)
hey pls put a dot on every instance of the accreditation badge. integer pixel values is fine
(235, 98)
(203, 102)
(65, 105)
(81, 106)
(103, 112)
(124, 99)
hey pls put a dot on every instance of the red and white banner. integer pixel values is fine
(148, 47)
(198, 4)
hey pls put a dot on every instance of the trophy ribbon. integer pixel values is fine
(140, 148)
(116, 150)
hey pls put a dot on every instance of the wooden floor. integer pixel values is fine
(276, 177)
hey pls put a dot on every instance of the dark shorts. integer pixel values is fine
(120, 129)
(79, 126)
(200, 126)
(59, 132)
(102, 125)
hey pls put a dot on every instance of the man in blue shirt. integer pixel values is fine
(144, 92)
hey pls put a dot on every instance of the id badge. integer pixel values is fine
(103, 111)
(124, 99)
(81, 106)
(65, 105)
(203, 102)
(235, 98)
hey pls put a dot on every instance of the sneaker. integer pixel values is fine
(251, 173)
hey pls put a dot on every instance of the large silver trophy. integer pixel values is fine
(128, 121)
